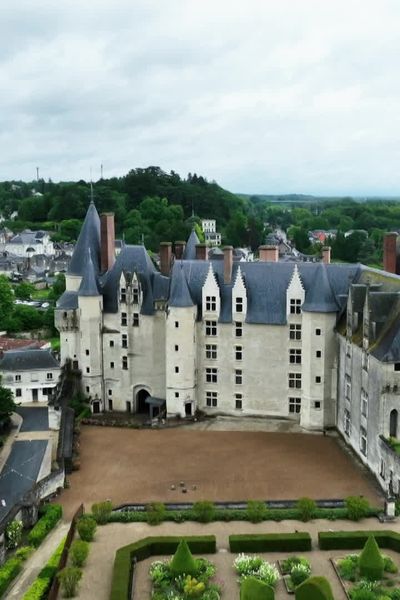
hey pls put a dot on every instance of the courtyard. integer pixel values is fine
(126, 465)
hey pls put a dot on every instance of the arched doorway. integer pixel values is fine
(141, 406)
(96, 407)
(393, 424)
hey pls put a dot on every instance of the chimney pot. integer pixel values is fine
(228, 262)
(390, 252)
(268, 253)
(179, 249)
(201, 252)
(165, 258)
(107, 241)
(326, 255)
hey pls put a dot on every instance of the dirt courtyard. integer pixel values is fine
(128, 465)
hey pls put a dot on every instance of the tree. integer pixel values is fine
(6, 299)
(58, 287)
(7, 405)
(24, 290)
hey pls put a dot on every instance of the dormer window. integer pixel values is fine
(295, 306)
(239, 305)
(123, 295)
(211, 303)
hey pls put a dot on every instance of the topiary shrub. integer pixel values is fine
(69, 578)
(254, 589)
(155, 513)
(183, 562)
(256, 511)
(86, 527)
(101, 511)
(8, 572)
(204, 511)
(79, 552)
(52, 514)
(371, 563)
(357, 507)
(13, 534)
(306, 508)
(314, 588)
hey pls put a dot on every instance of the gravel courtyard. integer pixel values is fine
(127, 465)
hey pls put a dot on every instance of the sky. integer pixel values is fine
(263, 96)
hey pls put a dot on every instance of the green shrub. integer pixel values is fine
(389, 565)
(79, 552)
(254, 589)
(371, 561)
(151, 546)
(13, 534)
(52, 514)
(204, 511)
(8, 572)
(299, 573)
(357, 507)
(86, 527)
(183, 562)
(306, 508)
(353, 540)
(101, 512)
(40, 587)
(288, 564)
(256, 511)
(270, 542)
(314, 588)
(69, 578)
(24, 552)
(155, 513)
(348, 567)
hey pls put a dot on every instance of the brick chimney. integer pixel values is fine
(107, 238)
(390, 252)
(201, 252)
(165, 257)
(326, 255)
(269, 253)
(179, 249)
(228, 262)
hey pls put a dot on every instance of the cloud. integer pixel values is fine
(296, 95)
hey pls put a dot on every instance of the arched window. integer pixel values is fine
(393, 423)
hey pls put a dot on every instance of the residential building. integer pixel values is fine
(211, 236)
(31, 374)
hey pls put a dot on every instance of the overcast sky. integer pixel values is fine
(267, 96)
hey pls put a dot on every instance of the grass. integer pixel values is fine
(41, 294)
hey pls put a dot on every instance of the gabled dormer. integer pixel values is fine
(136, 291)
(239, 297)
(295, 294)
(123, 290)
(211, 299)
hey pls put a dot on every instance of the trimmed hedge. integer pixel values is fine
(52, 514)
(370, 561)
(354, 540)
(125, 556)
(314, 588)
(254, 589)
(270, 542)
(8, 572)
(40, 587)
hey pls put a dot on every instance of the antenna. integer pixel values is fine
(101, 171)
(37, 173)
(91, 186)
(192, 208)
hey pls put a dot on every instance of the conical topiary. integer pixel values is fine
(314, 588)
(183, 562)
(254, 589)
(371, 560)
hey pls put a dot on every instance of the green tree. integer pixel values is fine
(6, 299)
(24, 290)
(7, 405)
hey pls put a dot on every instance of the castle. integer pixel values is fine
(315, 342)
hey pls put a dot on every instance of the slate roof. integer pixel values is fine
(89, 286)
(89, 237)
(180, 294)
(28, 237)
(190, 248)
(28, 360)
(320, 296)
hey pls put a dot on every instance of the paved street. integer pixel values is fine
(35, 418)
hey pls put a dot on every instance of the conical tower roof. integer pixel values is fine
(180, 293)
(89, 237)
(190, 249)
(88, 285)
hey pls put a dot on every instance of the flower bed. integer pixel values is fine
(256, 569)
(295, 570)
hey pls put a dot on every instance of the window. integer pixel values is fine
(295, 380)
(87, 352)
(123, 319)
(135, 295)
(125, 362)
(87, 370)
(110, 392)
(176, 369)
(176, 347)
(363, 441)
(294, 405)
(382, 470)
(238, 401)
(87, 389)
(18, 378)
(176, 394)
(364, 403)
(318, 379)
(239, 305)
(211, 399)
(238, 329)
(317, 404)
(111, 343)
(211, 375)
(295, 332)
(238, 352)
(318, 354)
(347, 422)
(111, 365)
(295, 356)
(317, 331)
(110, 404)
(176, 324)
(135, 319)
(49, 376)
(124, 342)
(211, 303)
(295, 306)
(347, 387)
(211, 351)
(123, 295)
(238, 376)
(397, 366)
(211, 328)
(18, 393)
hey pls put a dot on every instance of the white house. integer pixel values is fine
(209, 227)
(31, 374)
(28, 243)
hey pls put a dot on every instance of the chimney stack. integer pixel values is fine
(269, 253)
(228, 262)
(179, 250)
(326, 255)
(201, 252)
(165, 258)
(390, 252)
(107, 241)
